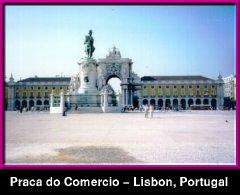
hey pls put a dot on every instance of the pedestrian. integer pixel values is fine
(21, 109)
(146, 110)
(151, 110)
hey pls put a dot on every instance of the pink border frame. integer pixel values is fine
(3, 166)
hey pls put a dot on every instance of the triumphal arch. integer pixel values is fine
(89, 89)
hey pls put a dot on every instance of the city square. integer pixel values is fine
(184, 137)
(84, 91)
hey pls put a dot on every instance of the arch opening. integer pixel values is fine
(24, 103)
(183, 104)
(160, 103)
(115, 84)
(214, 104)
(145, 102)
(31, 103)
(190, 102)
(17, 104)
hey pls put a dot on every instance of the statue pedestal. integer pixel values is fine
(88, 76)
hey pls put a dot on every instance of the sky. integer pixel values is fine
(161, 40)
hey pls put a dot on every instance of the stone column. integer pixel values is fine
(62, 101)
(186, 99)
(127, 97)
(131, 98)
(105, 101)
(51, 100)
(101, 100)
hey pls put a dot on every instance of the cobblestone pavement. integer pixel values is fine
(170, 137)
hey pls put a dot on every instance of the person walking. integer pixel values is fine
(151, 110)
(146, 110)
(21, 109)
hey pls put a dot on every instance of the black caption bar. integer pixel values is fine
(119, 180)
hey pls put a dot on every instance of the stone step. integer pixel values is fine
(86, 110)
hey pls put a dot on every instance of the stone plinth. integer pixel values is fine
(88, 76)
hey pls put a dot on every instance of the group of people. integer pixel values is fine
(148, 110)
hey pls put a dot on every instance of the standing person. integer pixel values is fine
(146, 111)
(151, 110)
(21, 109)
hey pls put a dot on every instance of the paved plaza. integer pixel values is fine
(170, 137)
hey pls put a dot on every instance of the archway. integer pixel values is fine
(160, 103)
(205, 102)
(152, 102)
(214, 104)
(145, 102)
(135, 102)
(190, 102)
(168, 103)
(46, 103)
(183, 104)
(39, 103)
(175, 103)
(17, 104)
(24, 103)
(198, 101)
(115, 84)
(116, 66)
(31, 103)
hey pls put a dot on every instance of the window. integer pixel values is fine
(60, 87)
(151, 87)
(160, 87)
(39, 94)
(205, 86)
(190, 86)
(24, 94)
(197, 86)
(31, 94)
(182, 86)
(39, 88)
(46, 88)
(167, 86)
(31, 88)
(53, 87)
(175, 86)
(213, 86)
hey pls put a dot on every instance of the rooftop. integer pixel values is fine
(46, 79)
(174, 78)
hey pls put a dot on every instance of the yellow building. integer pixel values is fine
(35, 91)
(172, 92)
(180, 91)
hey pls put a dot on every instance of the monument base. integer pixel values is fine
(83, 100)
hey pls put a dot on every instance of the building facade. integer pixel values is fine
(181, 92)
(171, 92)
(34, 91)
(230, 87)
